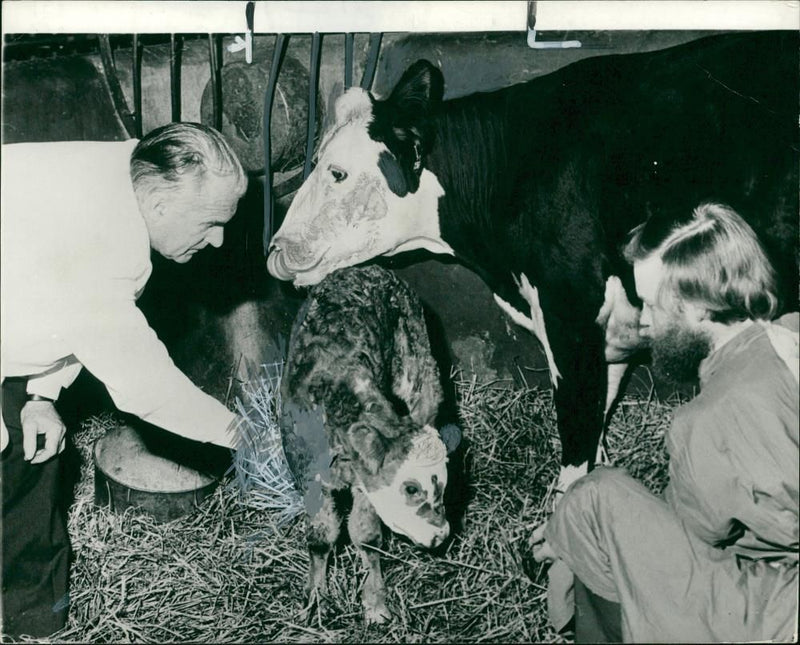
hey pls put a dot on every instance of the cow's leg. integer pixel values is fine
(575, 355)
(364, 526)
(616, 373)
(620, 320)
(578, 350)
(579, 401)
(321, 535)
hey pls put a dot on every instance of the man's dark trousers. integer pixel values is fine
(35, 543)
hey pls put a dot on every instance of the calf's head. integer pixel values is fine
(404, 479)
(369, 194)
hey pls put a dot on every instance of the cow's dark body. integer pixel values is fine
(546, 178)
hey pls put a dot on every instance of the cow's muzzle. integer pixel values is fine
(275, 264)
(283, 263)
(437, 540)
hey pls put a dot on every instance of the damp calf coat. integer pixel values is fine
(359, 394)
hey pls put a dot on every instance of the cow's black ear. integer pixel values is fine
(403, 121)
(367, 443)
(418, 92)
(395, 177)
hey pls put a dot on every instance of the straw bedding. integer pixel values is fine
(235, 570)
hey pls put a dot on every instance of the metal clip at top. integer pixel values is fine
(238, 43)
(538, 44)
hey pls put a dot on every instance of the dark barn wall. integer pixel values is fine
(220, 314)
(57, 99)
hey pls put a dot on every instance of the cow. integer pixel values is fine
(360, 392)
(535, 187)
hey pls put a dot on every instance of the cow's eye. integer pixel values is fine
(338, 174)
(411, 490)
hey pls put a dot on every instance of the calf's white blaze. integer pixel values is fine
(405, 388)
(345, 213)
(426, 466)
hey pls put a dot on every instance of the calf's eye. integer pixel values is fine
(338, 174)
(411, 490)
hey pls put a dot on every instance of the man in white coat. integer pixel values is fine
(78, 222)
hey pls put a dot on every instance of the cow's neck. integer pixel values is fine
(420, 214)
(470, 158)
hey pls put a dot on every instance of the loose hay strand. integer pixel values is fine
(235, 570)
(262, 475)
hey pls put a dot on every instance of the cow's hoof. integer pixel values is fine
(569, 475)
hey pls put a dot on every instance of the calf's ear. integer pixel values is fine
(367, 443)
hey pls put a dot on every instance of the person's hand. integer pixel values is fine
(542, 552)
(40, 417)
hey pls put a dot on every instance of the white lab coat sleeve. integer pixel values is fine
(113, 340)
(51, 383)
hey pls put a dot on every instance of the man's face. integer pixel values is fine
(194, 217)
(678, 342)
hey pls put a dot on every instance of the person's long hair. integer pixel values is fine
(712, 259)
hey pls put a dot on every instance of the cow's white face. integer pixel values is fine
(412, 503)
(345, 213)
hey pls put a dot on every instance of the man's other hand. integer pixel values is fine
(41, 418)
(542, 552)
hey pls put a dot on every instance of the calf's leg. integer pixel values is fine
(322, 532)
(415, 374)
(364, 526)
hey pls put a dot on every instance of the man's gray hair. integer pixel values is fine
(168, 155)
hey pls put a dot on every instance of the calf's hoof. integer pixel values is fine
(376, 613)
(318, 609)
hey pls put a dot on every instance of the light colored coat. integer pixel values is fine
(75, 257)
(717, 558)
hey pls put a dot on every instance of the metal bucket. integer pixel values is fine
(128, 474)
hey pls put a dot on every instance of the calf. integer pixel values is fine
(359, 394)
(535, 187)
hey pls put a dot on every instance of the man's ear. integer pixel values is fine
(696, 314)
(367, 443)
(152, 204)
(159, 207)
